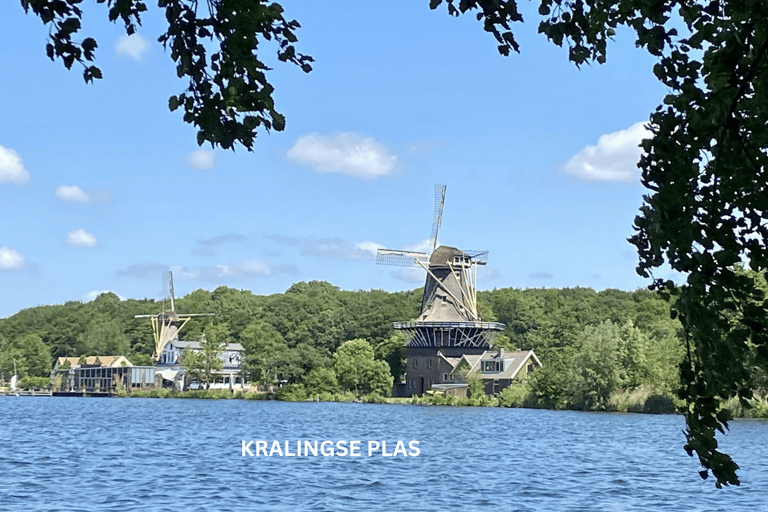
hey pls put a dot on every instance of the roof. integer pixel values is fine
(195, 345)
(453, 361)
(513, 362)
(106, 361)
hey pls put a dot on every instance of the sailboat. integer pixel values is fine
(14, 380)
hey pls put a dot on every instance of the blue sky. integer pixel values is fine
(102, 188)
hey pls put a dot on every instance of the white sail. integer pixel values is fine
(14, 379)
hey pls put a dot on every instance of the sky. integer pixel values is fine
(102, 188)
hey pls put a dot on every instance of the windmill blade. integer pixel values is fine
(168, 283)
(438, 218)
(400, 258)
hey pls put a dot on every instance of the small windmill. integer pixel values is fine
(449, 307)
(166, 325)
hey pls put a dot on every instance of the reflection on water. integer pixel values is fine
(155, 454)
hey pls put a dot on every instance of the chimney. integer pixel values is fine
(501, 352)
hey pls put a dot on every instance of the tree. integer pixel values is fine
(597, 370)
(202, 365)
(29, 353)
(393, 352)
(321, 380)
(228, 97)
(475, 386)
(356, 369)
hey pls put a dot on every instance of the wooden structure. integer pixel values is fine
(449, 323)
(167, 324)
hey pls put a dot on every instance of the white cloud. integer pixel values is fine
(233, 271)
(371, 247)
(201, 159)
(75, 194)
(72, 193)
(11, 167)
(10, 259)
(80, 238)
(346, 153)
(614, 158)
(143, 270)
(423, 246)
(223, 239)
(338, 248)
(133, 46)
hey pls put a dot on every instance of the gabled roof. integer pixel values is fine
(471, 359)
(106, 361)
(453, 361)
(513, 362)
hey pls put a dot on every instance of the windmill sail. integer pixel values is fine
(438, 217)
(400, 258)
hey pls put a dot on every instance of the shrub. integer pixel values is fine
(517, 395)
(30, 382)
(292, 393)
(659, 404)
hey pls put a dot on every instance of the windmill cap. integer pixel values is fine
(445, 254)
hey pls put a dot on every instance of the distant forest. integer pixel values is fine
(591, 344)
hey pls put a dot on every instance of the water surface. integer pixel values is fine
(117, 454)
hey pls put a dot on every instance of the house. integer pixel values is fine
(447, 371)
(169, 365)
(92, 373)
(92, 361)
(108, 374)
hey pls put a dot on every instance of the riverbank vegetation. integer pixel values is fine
(607, 351)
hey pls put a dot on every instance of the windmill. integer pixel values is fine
(449, 316)
(166, 325)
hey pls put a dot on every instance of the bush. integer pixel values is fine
(475, 387)
(373, 398)
(659, 404)
(517, 395)
(259, 396)
(30, 382)
(292, 393)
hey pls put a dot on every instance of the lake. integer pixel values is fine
(114, 454)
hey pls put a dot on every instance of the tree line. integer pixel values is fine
(592, 344)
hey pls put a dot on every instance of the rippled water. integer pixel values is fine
(160, 454)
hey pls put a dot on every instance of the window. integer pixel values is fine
(530, 367)
(415, 363)
(429, 363)
(491, 366)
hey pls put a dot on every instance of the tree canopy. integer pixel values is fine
(214, 45)
(704, 166)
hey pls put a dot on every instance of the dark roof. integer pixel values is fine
(195, 345)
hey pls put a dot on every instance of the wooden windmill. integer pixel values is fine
(449, 314)
(167, 324)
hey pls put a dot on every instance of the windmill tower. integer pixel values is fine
(167, 324)
(449, 325)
